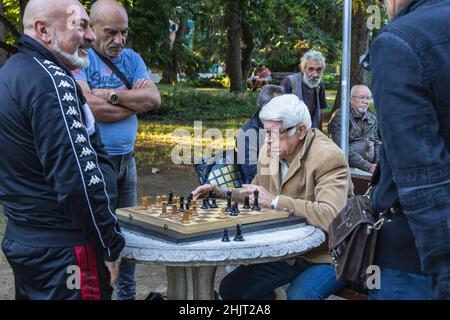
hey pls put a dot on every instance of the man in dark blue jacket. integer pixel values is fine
(62, 235)
(411, 80)
(251, 136)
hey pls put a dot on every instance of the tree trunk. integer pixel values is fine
(170, 75)
(247, 50)
(234, 66)
(359, 46)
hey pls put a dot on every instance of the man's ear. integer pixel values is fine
(41, 29)
(302, 130)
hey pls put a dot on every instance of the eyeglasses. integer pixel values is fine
(362, 98)
(279, 131)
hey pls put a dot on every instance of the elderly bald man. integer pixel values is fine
(364, 143)
(115, 104)
(62, 239)
(300, 170)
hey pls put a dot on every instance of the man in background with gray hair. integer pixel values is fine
(251, 135)
(300, 170)
(307, 85)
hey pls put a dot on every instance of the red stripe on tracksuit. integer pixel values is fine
(89, 282)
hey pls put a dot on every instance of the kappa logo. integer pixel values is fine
(68, 97)
(80, 139)
(86, 152)
(48, 62)
(90, 166)
(54, 67)
(94, 180)
(59, 73)
(65, 84)
(76, 125)
(72, 112)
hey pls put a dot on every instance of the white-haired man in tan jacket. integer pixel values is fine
(301, 170)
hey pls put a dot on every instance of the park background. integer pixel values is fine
(200, 53)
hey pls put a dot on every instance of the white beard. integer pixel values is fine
(309, 84)
(73, 58)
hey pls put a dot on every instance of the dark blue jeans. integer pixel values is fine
(127, 197)
(400, 285)
(308, 281)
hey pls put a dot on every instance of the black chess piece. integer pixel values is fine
(246, 203)
(204, 204)
(225, 237)
(189, 199)
(213, 204)
(255, 201)
(236, 208)
(170, 200)
(181, 204)
(238, 236)
(229, 208)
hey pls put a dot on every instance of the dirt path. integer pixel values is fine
(148, 277)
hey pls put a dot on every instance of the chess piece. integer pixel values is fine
(213, 203)
(255, 201)
(189, 199)
(158, 200)
(246, 203)
(174, 212)
(186, 217)
(164, 213)
(225, 237)
(238, 236)
(194, 210)
(145, 203)
(164, 198)
(181, 204)
(229, 207)
(169, 202)
(236, 208)
(222, 214)
(205, 204)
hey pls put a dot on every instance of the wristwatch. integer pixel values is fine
(113, 97)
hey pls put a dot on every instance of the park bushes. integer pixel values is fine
(189, 105)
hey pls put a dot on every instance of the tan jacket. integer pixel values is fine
(316, 185)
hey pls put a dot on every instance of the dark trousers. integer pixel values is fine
(62, 273)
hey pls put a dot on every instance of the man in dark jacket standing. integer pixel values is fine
(62, 239)
(411, 81)
(308, 86)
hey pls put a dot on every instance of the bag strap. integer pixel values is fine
(111, 65)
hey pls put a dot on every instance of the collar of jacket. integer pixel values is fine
(31, 47)
(364, 116)
(256, 122)
(413, 5)
(296, 163)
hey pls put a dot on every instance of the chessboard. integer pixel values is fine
(178, 222)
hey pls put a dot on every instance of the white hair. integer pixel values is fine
(312, 55)
(287, 108)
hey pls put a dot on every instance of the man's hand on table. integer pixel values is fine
(265, 198)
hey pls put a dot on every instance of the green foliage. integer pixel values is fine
(331, 81)
(188, 105)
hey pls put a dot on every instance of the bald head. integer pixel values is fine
(109, 21)
(62, 26)
(49, 11)
(361, 96)
(103, 11)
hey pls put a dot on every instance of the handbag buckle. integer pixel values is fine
(377, 225)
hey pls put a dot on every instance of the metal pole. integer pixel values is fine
(345, 84)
